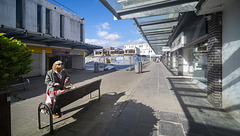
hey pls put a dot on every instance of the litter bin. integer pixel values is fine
(138, 67)
(96, 67)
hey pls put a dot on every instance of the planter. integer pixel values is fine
(5, 114)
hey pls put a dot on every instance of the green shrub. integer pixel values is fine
(14, 61)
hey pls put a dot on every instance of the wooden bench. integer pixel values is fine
(68, 97)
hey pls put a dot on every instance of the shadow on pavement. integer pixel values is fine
(108, 117)
(200, 117)
(135, 119)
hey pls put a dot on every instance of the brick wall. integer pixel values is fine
(215, 59)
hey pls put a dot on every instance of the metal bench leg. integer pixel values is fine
(99, 94)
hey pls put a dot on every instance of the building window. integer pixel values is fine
(81, 32)
(39, 19)
(47, 21)
(19, 14)
(61, 25)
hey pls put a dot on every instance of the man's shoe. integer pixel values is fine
(55, 116)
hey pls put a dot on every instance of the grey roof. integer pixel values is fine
(45, 39)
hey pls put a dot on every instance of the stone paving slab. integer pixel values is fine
(152, 103)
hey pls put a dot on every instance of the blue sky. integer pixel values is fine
(100, 27)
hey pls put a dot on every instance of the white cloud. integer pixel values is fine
(102, 33)
(138, 41)
(112, 37)
(105, 25)
(107, 36)
(118, 44)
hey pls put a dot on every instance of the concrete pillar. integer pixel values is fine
(230, 60)
(83, 60)
(185, 61)
(180, 62)
(43, 63)
(215, 59)
(174, 61)
(169, 59)
(77, 62)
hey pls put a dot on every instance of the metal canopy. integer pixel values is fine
(155, 19)
(45, 39)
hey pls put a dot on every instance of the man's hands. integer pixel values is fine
(66, 80)
(56, 84)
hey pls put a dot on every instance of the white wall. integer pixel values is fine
(77, 62)
(30, 16)
(36, 65)
(8, 13)
(230, 59)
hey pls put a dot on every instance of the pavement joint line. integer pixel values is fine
(165, 121)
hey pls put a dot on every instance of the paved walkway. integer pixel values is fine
(151, 103)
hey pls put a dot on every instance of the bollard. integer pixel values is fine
(96, 68)
(138, 67)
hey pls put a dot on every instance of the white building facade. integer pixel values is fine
(51, 31)
(138, 49)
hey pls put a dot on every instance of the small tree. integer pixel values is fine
(14, 61)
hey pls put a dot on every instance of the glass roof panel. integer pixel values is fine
(158, 29)
(129, 4)
(158, 41)
(159, 35)
(161, 17)
(159, 26)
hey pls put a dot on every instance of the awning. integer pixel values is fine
(155, 19)
(45, 39)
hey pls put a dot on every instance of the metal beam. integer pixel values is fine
(162, 21)
(110, 8)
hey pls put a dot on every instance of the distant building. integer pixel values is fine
(108, 51)
(138, 49)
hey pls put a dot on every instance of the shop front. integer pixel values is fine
(198, 62)
(44, 57)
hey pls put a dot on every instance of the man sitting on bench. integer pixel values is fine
(55, 80)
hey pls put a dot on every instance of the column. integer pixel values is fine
(215, 59)
(43, 63)
(180, 62)
(83, 60)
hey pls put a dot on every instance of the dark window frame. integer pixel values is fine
(81, 32)
(48, 21)
(39, 18)
(19, 14)
(61, 25)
